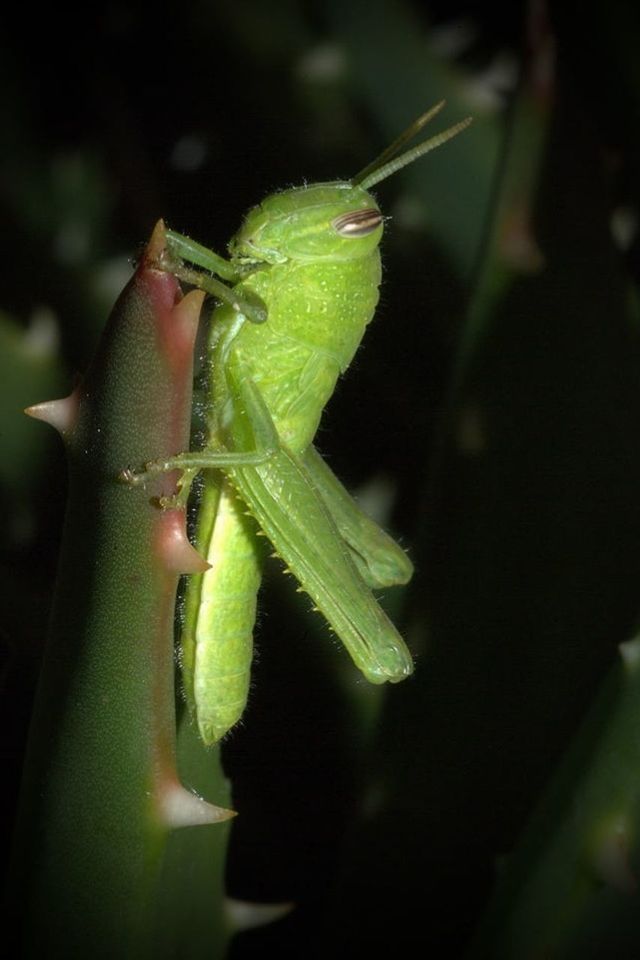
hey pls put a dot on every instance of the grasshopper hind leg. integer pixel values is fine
(281, 495)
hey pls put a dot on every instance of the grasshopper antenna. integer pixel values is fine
(388, 163)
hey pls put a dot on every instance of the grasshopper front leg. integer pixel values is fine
(180, 249)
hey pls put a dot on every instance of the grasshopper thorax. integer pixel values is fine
(324, 221)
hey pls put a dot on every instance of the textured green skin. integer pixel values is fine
(220, 604)
(320, 290)
(90, 840)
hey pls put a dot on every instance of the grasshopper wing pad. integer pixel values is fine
(379, 559)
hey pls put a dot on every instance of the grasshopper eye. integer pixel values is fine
(357, 223)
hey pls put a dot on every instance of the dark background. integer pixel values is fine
(508, 463)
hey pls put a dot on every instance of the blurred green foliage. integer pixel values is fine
(493, 413)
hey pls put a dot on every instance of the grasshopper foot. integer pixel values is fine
(135, 478)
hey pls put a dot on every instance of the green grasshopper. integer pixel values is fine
(297, 293)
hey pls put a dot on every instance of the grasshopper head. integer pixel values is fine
(325, 221)
(331, 221)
